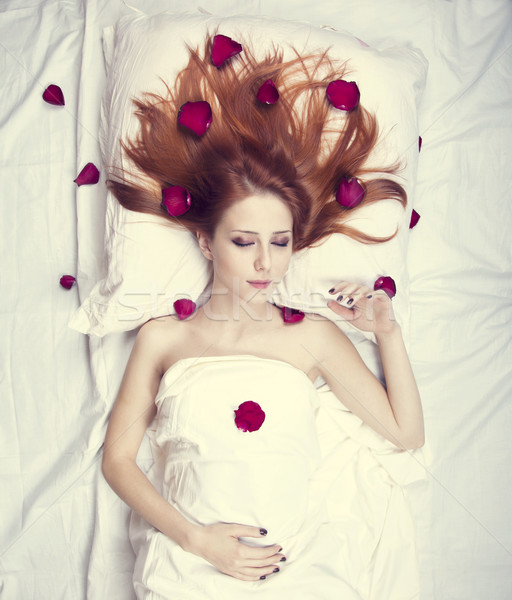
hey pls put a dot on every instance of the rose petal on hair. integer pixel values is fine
(387, 284)
(420, 142)
(350, 192)
(249, 416)
(292, 315)
(175, 200)
(268, 94)
(415, 217)
(67, 281)
(53, 95)
(224, 47)
(343, 94)
(196, 116)
(184, 307)
(88, 175)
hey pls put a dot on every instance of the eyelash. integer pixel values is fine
(251, 243)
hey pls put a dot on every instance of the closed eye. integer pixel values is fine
(242, 244)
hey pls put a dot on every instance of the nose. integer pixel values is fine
(263, 261)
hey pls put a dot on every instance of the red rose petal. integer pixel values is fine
(292, 315)
(88, 175)
(175, 200)
(268, 94)
(184, 308)
(224, 47)
(343, 94)
(67, 281)
(53, 95)
(387, 284)
(249, 416)
(415, 217)
(350, 192)
(420, 142)
(196, 116)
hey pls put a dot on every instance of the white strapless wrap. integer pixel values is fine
(273, 477)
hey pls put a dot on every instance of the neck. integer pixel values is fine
(225, 307)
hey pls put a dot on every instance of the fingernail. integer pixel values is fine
(276, 570)
(283, 559)
(263, 531)
(263, 577)
(280, 550)
(339, 298)
(331, 291)
(350, 301)
(369, 296)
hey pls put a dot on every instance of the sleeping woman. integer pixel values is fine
(227, 395)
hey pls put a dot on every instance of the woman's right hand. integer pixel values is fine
(219, 544)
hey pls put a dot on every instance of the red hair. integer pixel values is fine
(293, 149)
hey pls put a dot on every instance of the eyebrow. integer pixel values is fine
(256, 233)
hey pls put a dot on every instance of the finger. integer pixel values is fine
(343, 311)
(247, 531)
(258, 573)
(266, 553)
(265, 560)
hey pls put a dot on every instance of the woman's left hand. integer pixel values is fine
(367, 309)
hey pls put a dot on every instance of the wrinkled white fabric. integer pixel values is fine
(338, 535)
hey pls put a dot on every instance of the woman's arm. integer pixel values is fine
(395, 411)
(133, 411)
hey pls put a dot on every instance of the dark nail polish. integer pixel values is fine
(280, 550)
(263, 531)
(331, 291)
(263, 577)
(283, 559)
(339, 298)
(350, 301)
(370, 296)
(276, 570)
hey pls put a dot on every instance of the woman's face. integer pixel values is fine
(251, 247)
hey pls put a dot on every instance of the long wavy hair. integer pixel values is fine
(298, 149)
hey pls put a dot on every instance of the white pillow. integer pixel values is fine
(150, 265)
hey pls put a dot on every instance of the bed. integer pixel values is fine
(58, 385)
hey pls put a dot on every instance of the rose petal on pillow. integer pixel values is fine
(53, 95)
(249, 416)
(88, 175)
(350, 192)
(67, 281)
(224, 47)
(184, 307)
(415, 217)
(196, 116)
(175, 200)
(387, 284)
(420, 141)
(292, 315)
(343, 95)
(362, 43)
(268, 94)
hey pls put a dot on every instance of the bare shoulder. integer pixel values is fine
(320, 334)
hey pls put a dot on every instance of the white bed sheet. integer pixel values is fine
(57, 386)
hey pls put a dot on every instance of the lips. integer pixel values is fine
(260, 285)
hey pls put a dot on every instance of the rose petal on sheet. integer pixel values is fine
(420, 142)
(362, 43)
(249, 416)
(350, 192)
(387, 284)
(53, 95)
(184, 307)
(67, 281)
(268, 94)
(88, 175)
(196, 116)
(415, 217)
(292, 315)
(224, 47)
(343, 95)
(175, 200)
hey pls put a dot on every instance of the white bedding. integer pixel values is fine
(58, 385)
